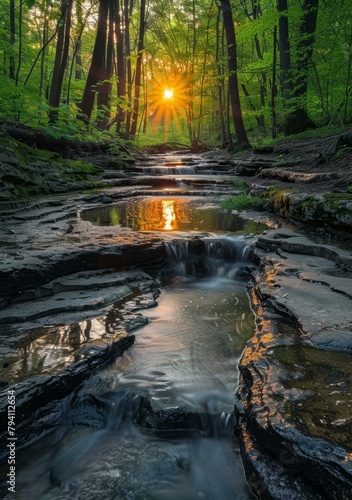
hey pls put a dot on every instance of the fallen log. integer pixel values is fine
(42, 140)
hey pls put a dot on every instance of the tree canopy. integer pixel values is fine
(198, 71)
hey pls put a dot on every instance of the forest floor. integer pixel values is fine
(314, 165)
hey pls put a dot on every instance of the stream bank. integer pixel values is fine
(294, 410)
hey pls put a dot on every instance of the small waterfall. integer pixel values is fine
(179, 170)
(222, 256)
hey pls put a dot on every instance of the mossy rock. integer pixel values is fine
(26, 171)
(334, 209)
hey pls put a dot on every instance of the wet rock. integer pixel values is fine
(88, 410)
(292, 416)
(196, 245)
(107, 200)
(135, 322)
(63, 302)
(39, 399)
(175, 422)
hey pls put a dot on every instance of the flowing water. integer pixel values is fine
(185, 358)
(158, 423)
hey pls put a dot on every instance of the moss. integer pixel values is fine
(26, 171)
(337, 197)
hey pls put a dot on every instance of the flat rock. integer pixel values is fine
(294, 408)
(63, 302)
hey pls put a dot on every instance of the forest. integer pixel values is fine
(215, 72)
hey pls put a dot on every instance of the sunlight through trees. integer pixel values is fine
(219, 72)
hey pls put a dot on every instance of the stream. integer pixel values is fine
(186, 355)
(181, 373)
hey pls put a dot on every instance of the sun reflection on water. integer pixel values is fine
(169, 215)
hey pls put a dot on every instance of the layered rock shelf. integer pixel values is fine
(294, 410)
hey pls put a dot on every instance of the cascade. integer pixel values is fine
(179, 170)
(221, 256)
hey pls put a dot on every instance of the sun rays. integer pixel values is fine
(169, 99)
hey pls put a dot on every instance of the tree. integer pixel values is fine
(304, 57)
(12, 39)
(97, 70)
(137, 85)
(241, 135)
(294, 83)
(61, 55)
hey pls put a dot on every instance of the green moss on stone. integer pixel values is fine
(26, 171)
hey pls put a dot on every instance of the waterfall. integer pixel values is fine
(179, 170)
(221, 256)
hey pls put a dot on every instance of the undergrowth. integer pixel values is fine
(244, 200)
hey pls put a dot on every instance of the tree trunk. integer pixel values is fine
(61, 55)
(220, 75)
(121, 76)
(285, 55)
(128, 63)
(104, 93)
(97, 67)
(19, 43)
(294, 91)
(274, 89)
(79, 30)
(12, 39)
(241, 135)
(44, 50)
(137, 83)
(299, 120)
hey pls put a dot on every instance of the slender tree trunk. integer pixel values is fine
(220, 74)
(61, 55)
(274, 88)
(79, 29)
(137, 83)
(128, 63)
(200, 117)
(12, 39)
(241, 135)
(103, 97)
(121, 75)
(97, 66)
(19, 42)
(285, 55)
(44, 51)
(347, 87)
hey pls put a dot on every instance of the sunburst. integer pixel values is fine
(169, 98)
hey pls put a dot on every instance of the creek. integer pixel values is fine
(185, 358)
(181, 374)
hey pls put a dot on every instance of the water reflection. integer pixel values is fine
(53, 347)
(169, 214)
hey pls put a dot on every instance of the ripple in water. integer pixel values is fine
(186, 357)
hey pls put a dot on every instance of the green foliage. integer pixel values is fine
(245, 201)
(181, 40)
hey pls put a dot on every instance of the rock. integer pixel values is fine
(107, 199)
(135, 322)
(176, 422)
(39, 400)
(196, 245)
(294, 431)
